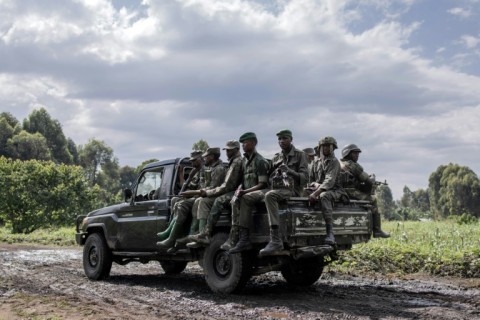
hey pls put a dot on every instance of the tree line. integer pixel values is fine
(48, 180)
(453, 190)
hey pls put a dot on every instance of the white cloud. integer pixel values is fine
(470, 41)
(153, 80)
(460, 12)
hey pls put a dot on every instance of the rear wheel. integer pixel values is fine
(224, 272)
(303, 272)
(97, 257)
(173, 267)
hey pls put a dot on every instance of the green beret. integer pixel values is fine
(284, 133)
(194, 155)
(247, 136)
(211, 151)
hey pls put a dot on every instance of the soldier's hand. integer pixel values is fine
(312, 197)
(203, 193)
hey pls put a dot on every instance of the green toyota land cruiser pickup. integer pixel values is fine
(127, 232)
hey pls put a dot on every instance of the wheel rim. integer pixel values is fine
(93, 257)
(223, 264)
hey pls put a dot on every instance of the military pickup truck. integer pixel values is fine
(127, 232)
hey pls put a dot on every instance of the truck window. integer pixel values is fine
(149, 184)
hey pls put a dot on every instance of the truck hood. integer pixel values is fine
(109, 209)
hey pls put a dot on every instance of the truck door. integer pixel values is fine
(137, 223)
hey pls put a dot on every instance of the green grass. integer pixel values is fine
(442, 248)
(64, 236)
(439, 248)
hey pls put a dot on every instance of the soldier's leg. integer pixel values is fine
(377, 221)
(234, 230)
(272, 198)
(326, 200)
(183, 211)
(247, 202)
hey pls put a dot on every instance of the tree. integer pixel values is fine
(26, 146)
(42, 194)
(102, 169)
(454, 190)
(386, 206)
(11, 120)
(72, 148)
(93, 155)
(127, 176)
(201, 145)
(40, 121)
(6, 133)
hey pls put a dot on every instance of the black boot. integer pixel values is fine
(329, 238)
(243, 243)
(377, 227)
(275, 245)
(232, 239)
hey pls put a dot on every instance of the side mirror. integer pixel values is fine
(127, 194)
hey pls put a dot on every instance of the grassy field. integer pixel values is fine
(439, 248)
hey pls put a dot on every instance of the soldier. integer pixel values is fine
(254, 184)
(289, 177)
(360, 185)
(182, 208)
(209, 177)
(310, 153)
(216, 199)
(328, 185)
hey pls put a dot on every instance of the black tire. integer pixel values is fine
(97, 257)
(303, 272)
(224, 272)
(173, 267)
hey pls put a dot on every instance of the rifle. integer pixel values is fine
(186, 183)
(236, 197)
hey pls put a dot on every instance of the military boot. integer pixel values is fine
(243, 243)
(177, 232)
(377, 227)
(193, 230)
(274, 246)
(164, 234)
(201, 239)
(232, 239)
(329, 238)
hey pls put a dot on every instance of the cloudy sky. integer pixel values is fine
(400, 78)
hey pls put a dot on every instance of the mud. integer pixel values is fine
(46, 283)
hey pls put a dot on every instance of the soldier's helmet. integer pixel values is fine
(349, 148)
(328, 140)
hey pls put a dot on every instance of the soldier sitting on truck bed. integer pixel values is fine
(252, 191)
(328, 185)
(216, 199)
(288, 178)
(359, 185)
(214, 173)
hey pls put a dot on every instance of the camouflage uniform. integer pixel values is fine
(296, 161)
(329, 178)
(255, 170)
(359, 185)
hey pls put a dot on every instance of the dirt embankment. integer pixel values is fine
(45, 283)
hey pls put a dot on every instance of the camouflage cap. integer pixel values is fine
(211, 151)
(284, 132)
(328, 140)
(232, 144)
(194, 155)
(309, 151)
(247, 136)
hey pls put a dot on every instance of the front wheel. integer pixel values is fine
(173, 267)
(224, 272)
(97, 257)
(303, 272)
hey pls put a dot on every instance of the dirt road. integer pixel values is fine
(46, 283)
